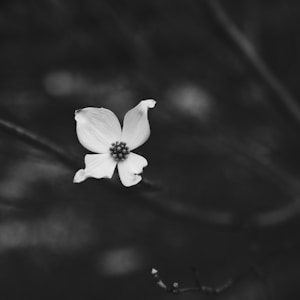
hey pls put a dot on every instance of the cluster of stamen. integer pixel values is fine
(119, 151)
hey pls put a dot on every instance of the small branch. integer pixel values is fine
(174, 288)
(40, 142)
(246, 47)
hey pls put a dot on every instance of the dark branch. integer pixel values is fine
(40, 142)
(249, 51)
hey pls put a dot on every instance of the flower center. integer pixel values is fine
(119, 151)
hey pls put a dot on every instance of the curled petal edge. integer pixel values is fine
(136, 128)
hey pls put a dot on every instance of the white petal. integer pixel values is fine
(96, 166)
(136, 128)
(97, 128)
(130, 168)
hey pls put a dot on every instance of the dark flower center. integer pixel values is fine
(119, 151)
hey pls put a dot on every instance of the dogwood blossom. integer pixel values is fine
(99, 131)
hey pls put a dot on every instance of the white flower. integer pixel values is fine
(99, 130)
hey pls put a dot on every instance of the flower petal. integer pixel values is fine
(136, 128)
(97, 128)
(96, 166)
(130, 168)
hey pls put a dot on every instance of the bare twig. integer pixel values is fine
(243, 43)
(253, 276)
(175, 288)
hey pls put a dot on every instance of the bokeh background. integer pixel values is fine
(223, 154)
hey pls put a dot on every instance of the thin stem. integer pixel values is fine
(246, 47)
(40, 142)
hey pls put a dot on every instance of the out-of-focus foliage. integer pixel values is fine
(215, 129)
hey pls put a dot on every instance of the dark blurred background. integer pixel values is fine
(224, 150)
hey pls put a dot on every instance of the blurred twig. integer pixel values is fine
(223, 219)
(134, 35)
(40, 142)
(247, 48)
(252, 21)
